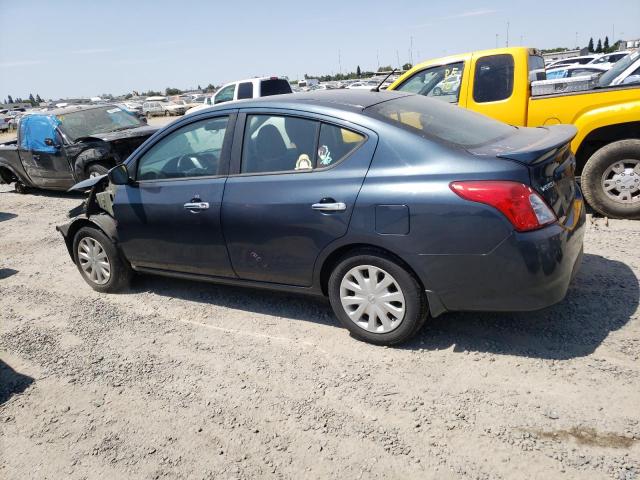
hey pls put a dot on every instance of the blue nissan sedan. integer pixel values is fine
(395, 206)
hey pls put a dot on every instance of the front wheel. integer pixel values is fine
(167, 113)
(96, 170)
(99, 262)
(377, 299)
(611, 179)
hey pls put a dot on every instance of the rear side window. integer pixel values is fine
(275, 143)
(245, 90)
(493, 80)
(276, 86)
(440, 121)
(536, 68)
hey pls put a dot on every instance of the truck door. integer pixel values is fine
(498, 89)
(42, 153)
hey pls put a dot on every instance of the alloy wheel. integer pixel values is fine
(94, 260)
(372, 299)
(621, 181)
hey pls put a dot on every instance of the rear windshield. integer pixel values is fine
(434, 119)
(274, 87)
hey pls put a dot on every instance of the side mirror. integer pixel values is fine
(49, 142)
(119, 175)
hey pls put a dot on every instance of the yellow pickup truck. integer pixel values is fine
(497, 83)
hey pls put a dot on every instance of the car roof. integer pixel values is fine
(353, 100)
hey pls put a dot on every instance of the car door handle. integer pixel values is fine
(330, 207)
(196, 206)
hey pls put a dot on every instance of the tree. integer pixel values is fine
(210, 88)
(606, 48)
(199, 87)
(599, 47)
(9, 99)
(38, 99)
(172, 91)
(591, 45)
(32, 100)
(385, 68)
(358, 71)
(407, 66)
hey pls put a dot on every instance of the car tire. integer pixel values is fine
(96, 169)
(616, 165)
(167, 113)
(405, 314)
(91, 249)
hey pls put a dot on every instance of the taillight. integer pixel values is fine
(523, 207)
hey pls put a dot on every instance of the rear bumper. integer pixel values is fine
(527, 271)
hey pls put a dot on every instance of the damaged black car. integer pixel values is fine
(56, 149)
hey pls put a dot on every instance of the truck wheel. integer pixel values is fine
(611, 179)
(96, 170)
(21, 188)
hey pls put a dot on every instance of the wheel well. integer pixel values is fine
(603, 136)
(73, 229)
(349, 250)
(7, 176)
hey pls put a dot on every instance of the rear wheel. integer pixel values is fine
(611, 179)
(99, 262)
(167, 113)
(376, 299)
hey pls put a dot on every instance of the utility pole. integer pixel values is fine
(577, 44)
(378, 60)
(522, 40)
(497, 35)
(411, 51)
(507, 34)
(339, 62)
(398, 60)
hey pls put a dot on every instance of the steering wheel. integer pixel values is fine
(194, 167)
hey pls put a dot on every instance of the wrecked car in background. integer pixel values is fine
(56, 149)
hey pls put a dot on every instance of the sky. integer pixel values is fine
(82, 48)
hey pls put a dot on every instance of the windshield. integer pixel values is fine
(85, 123)
(432, 118)
(619, 67)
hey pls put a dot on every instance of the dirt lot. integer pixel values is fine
(185, 380)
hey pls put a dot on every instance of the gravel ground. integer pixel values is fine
(194, 381)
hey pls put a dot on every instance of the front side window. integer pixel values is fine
(274, 143)
(245, 90)
(191, 151)
(441, 82)
(226, 94)
(493, 80)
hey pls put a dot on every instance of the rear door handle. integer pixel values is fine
(330, 207)
(196, 206)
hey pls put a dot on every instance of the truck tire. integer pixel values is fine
(611, 179)
(96, 169)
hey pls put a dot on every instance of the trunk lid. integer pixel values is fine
(546, 152)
